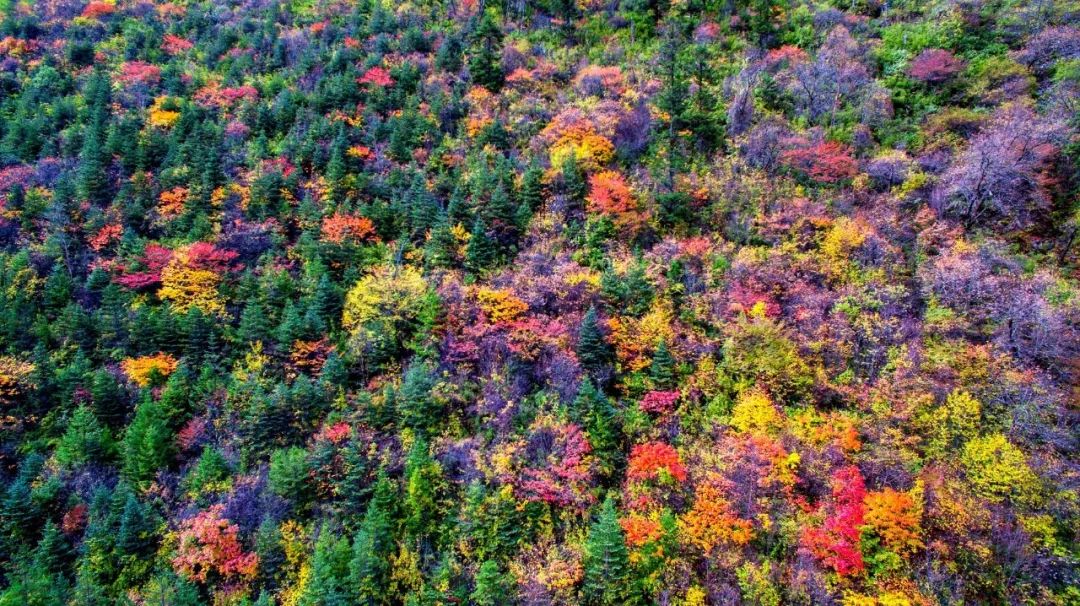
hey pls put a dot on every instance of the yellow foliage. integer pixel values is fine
(635, 339)
(14, 377)
(141, 369)
(998, 470)
(711, 522)
(695, 596)
(500, 305)
(754, 412)
(187, 287)
(381, 293)
(160, 116)
(896, 518)
(957, 420)
(591, 149)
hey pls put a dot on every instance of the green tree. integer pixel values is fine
(593, 350)
(662, 370)
(493, 587)
(607, 562)
(485, 60)
(373, 546)
(147, 443)
(84, 439)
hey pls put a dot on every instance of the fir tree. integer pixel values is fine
(83, 441)
(369, 570)
(481, 253)
(485, 60)
(492, 586)
(662, 370)
(607, 562)
(146, 443)
(593, 350)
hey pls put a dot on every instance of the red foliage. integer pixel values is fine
(557, 466)
(934, 66)
(174, 45)
(155, 257)
(836, 542)
(377, 76)
(97, 10)
(610, 196)
(659, 402)
(105, 236)
(139, 72)
(204, 255)
(74, 519)
(209, 545)
(824, 162)
(655, 460)
(339, 227)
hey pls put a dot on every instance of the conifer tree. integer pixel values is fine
(369, 570)
(492, 586)
(146, 443)
(593, 350)
(607, 562)
(485, 61)
(83, 441)
(481, 252)
(662, 370)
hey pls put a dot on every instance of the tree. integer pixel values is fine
(593, 350)
(147, 443)
(417, 408)
(608, 579)
(481, 253)
(662, 370)
(373, 546)
(492, 586)
(209, 547)
(672, 99)
(83, 441)
(1000, 174)
(485, 60)
(327, 585)
(423, 481)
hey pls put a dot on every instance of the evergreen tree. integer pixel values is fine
(607, 562)
(485, 60)
(373, 546)
(662, 370)
(595, 412)
(146, 443)
(492, 586)
(593, 350)
(481, 252)
(83, 441)
(327, 585)
(423, 478)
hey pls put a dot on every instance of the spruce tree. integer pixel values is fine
(607, 562)
(593, 350)
(146, 443)
(83, 441)
(373, 546)
(492, 586)
(485, 61)
(481, 253)
(662, 370)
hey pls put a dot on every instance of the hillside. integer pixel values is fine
(597, 302)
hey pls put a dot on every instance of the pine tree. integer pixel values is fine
(593, 350)
(83, 441)
(134, 535)
(595, 412)
(53, 552)
(662, 370)
(369, 570)
(672, 97)
(485, 61)
(607, 562)
(532, 188)
(327, 585)
(423, 478)
(481, 253)
(146, 443)
(492, 586)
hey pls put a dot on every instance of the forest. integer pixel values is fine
(539, 303)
